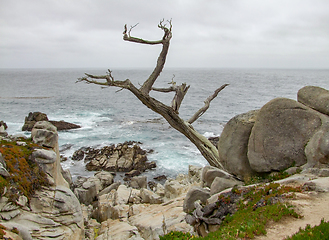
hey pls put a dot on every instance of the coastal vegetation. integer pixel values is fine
(254, 210)
(320, 232)
(25, 175)
(242, 212)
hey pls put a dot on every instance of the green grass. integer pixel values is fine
(320, 232)
(258, 206)
(268, 177)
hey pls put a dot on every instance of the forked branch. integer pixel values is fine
(170, 113)
(147, 86)
(202, 110)
(109, 80)
(180, 90)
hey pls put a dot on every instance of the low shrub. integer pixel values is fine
(25, 174)
(259, 205)
(320, 232)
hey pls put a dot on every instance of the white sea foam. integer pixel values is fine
(107, 117)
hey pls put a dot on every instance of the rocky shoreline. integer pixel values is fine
(101, 208)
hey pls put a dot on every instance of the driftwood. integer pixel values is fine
(170, 113)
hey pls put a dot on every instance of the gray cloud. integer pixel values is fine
(236, 33)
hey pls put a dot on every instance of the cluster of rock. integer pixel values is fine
(34, 117)
(284, 132)
(128, 157)
(95, 206)
(206, 208)
(53, 212)
(281, 134)
(132, 210)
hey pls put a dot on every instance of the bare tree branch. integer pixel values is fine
(109, 80)
(129, 38)
(180, 90)
(131, 27)
(202, 110)
(147, 86)
(165, 90)
(170, 113)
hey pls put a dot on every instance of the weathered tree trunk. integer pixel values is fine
(170, 113)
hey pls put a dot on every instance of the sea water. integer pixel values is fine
(108, 116)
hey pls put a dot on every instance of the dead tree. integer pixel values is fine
(170, 113)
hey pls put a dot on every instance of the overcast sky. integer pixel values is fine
(208, 33)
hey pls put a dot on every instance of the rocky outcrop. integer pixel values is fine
(87, 189)
(209, 174)
(53, 211)
(283, 133)
(34, 117)
(3, 127)
(125, 212)
(233, 144)
(62, 125)
(127, 157)
(207, 216)
(314, 97)
(279, 136)
(317, 148)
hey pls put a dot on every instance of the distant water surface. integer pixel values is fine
(107, 116)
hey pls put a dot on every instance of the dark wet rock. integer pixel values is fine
(126, 157)
(62, 125)
(34, 117)
(160, 178)
(2, 123)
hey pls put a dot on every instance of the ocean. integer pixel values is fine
(108, 116)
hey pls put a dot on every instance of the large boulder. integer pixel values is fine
(279, 136)
(314, 97)
(46, 135)
(195, 194)
(32, 118)
(219, 184)
(233, 144)
(62, 125)
(53, 211)
(317, 149)
(209, 173)
(88, 190)
(35, 117)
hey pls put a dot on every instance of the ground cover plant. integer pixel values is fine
(320, 232)
(258, 205)
(25, 174)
